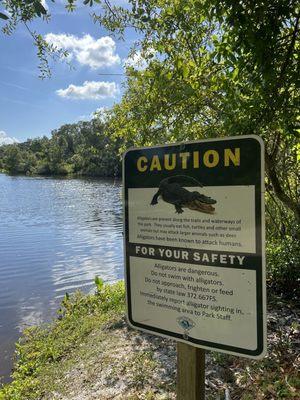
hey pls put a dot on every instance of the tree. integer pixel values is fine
(84, 148)
(214, 68)
(15, 12)
(13, 159)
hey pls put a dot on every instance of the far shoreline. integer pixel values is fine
(62, 176)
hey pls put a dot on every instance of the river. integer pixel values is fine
(56, 235)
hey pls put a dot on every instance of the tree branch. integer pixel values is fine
(289, 51)
(280, 193)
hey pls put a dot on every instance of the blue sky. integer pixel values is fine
(31, 107)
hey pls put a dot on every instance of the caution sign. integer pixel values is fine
(194, 243)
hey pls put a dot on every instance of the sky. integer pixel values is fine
(31, 107)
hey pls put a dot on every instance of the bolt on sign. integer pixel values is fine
(194, 243)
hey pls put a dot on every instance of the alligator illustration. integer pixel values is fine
(171, 190)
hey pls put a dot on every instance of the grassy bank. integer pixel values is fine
(89, 352)
(45, 353)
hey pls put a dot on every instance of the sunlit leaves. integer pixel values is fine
(221, 67)
(212, 68)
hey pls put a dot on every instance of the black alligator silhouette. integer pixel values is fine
(172, 191)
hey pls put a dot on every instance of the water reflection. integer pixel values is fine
(55, 236)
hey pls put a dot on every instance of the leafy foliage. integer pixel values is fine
(283, 258)
(212, 68)
(24, 12)
(83, 148)
(215, 68)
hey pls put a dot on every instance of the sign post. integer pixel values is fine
(190, 372)
(194, 247)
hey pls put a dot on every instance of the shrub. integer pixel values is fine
(283, 267)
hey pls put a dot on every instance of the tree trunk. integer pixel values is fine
(290, 203)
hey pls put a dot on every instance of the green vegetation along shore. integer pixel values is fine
(82, 149)
(89, 352)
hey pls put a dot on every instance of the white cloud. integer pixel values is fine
(99, 110)
(87, 50)
(90, 90)
(101, 113)
(137, 60)
(5, 139)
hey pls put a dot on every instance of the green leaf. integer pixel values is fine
(185, 71)
(3, 16)
(179, 63)
(235, 73)
(39, 8)
(99, 283)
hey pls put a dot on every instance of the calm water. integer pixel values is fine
(55, 236)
